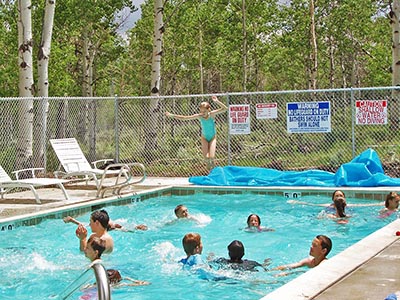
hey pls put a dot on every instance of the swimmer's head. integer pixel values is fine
(94, 248)
(113, 276)
(392, 200)
(192, 244)
(340, 204)
(181, 211)
(236, 250)
(338, 193)
(253, 220)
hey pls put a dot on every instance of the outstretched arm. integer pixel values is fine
(222, 107)
(182, 117)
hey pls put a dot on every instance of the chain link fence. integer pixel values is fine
(135, 129)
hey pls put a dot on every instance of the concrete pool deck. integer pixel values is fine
(369, 269)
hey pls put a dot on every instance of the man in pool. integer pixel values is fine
(99, 220)
(320, 248)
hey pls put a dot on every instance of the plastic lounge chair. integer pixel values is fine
(7, 184)
(76, 165)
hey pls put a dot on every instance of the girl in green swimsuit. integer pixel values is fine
(208, 133)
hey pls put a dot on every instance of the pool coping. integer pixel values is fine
(308, 285)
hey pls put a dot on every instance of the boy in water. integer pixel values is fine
(320, 248)
(193, 248)
(99, 220)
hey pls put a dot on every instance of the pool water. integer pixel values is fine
(39, 262)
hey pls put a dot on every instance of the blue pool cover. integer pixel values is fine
(365, 170)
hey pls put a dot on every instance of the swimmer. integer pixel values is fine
(254, 224)
(98, 223)
(193, 247)
(111, 225)
(319, 250)
(182, 213)
(391, 205)
(235, 261)
(208, 132)
(339, 204)
(94, 249)
(330, 206)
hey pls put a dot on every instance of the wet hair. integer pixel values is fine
(113, 276)
(177, 208)
(97, 244)
(190, 241)
(340, 204)
(390, 196)
(101, 216)
(236, 251)
(333, 194)
(326, 243)
(258, 218)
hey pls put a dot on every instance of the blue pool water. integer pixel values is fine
(39, 262)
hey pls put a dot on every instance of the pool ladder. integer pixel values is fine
(103, 285)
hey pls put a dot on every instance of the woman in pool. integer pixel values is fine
(254, 224)
(391, 205)
(206, 116)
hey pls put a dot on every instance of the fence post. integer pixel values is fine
(229, 134)
(116, 127)
(353, 122)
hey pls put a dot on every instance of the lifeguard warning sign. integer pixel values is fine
(371, 112)
(239, 119)
(307, 117)
(267, 110)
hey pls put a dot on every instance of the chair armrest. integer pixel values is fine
(30, 170)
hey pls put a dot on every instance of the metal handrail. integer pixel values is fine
(103, 285)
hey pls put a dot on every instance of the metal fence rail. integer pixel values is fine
(135, 129)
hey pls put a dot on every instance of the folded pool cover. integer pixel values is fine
(365, 170)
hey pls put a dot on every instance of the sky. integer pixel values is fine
(131, 18)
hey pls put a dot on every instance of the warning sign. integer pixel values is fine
(303, 117)
(266, 110)
(371, 112)
(239, 119)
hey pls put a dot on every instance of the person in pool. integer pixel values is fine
(254, 224)
(206, 116)
(94, 249)
(236, 261)
(319, 250)
(391, 205)
(111, 225)
(99, 220)
(193, 248)
(182, 212)
(339, 204)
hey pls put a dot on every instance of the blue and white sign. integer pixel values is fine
(307, 117)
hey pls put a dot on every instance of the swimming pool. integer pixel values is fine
(41, 260)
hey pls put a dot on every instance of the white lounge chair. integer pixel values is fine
(76, 165)
(7, 184)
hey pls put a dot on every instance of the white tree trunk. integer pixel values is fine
(395, 23)
(244, 49)
(314, 49)
(152, 128)
(26, 86)
(40, 124)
